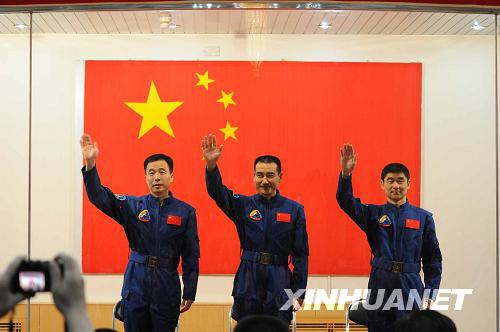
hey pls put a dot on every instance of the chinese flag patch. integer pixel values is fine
(412, 223)
(283, 217)
(174, 220)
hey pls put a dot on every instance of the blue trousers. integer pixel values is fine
(382, 320)
(139, 316)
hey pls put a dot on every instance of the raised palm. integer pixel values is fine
(348, 159)
(90, 151)
(211, 152)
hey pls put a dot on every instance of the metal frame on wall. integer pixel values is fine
(485, 7)
(478, 7)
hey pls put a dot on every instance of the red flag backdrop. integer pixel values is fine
(300, 111)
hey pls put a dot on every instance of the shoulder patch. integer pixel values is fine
(120, 197)
(236, 196)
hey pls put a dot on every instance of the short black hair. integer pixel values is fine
(159, 156)
(267, 159)
(424, 320)
(395, 168)
(261, 323)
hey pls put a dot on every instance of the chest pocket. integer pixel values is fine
(413, 228)
(173, 225)
(283, 222)
(282, 231)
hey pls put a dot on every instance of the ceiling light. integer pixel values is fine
(166, 21)
(324, 25)
(208, 5)
(476, 26)
(21, 26)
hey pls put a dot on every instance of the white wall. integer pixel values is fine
(458, 145)
(14, 93)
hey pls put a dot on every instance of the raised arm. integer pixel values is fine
(102, 197)
(357, 211)
(223, 196)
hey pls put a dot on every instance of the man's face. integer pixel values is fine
(395, 186)
(159, 178)
(266, 179)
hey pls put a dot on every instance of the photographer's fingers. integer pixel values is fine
(70, 289)
(9, 298)
(55, 274)
(13, 267)
(71, 273)
(69, 264)
(69, 295)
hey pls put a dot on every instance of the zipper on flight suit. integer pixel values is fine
(400, 236)
(160, 205)
(267, 206)
(396, 233)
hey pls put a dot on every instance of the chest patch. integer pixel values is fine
(144, 216)
(412, 223)
(283, 217)
(255, 215)
(384, 221)
(174, 220)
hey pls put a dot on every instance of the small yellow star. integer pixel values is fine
(204, 80)
(154, 112)
(229, 131)
(227, 99)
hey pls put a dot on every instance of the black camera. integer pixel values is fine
(32, 277)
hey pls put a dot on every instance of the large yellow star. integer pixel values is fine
(204, 80)
(227, 99)
(154, 112)
(229, 131)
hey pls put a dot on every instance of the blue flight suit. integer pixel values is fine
(158, 233)
(269, 231)
(400, 238)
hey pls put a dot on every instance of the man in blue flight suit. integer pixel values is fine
(270, 229)
(401, 237)
(160, 229)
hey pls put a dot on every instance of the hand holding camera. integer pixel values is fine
(61, 276)
(8, 297)
(32, 277)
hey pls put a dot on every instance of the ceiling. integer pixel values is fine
(223, 21)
